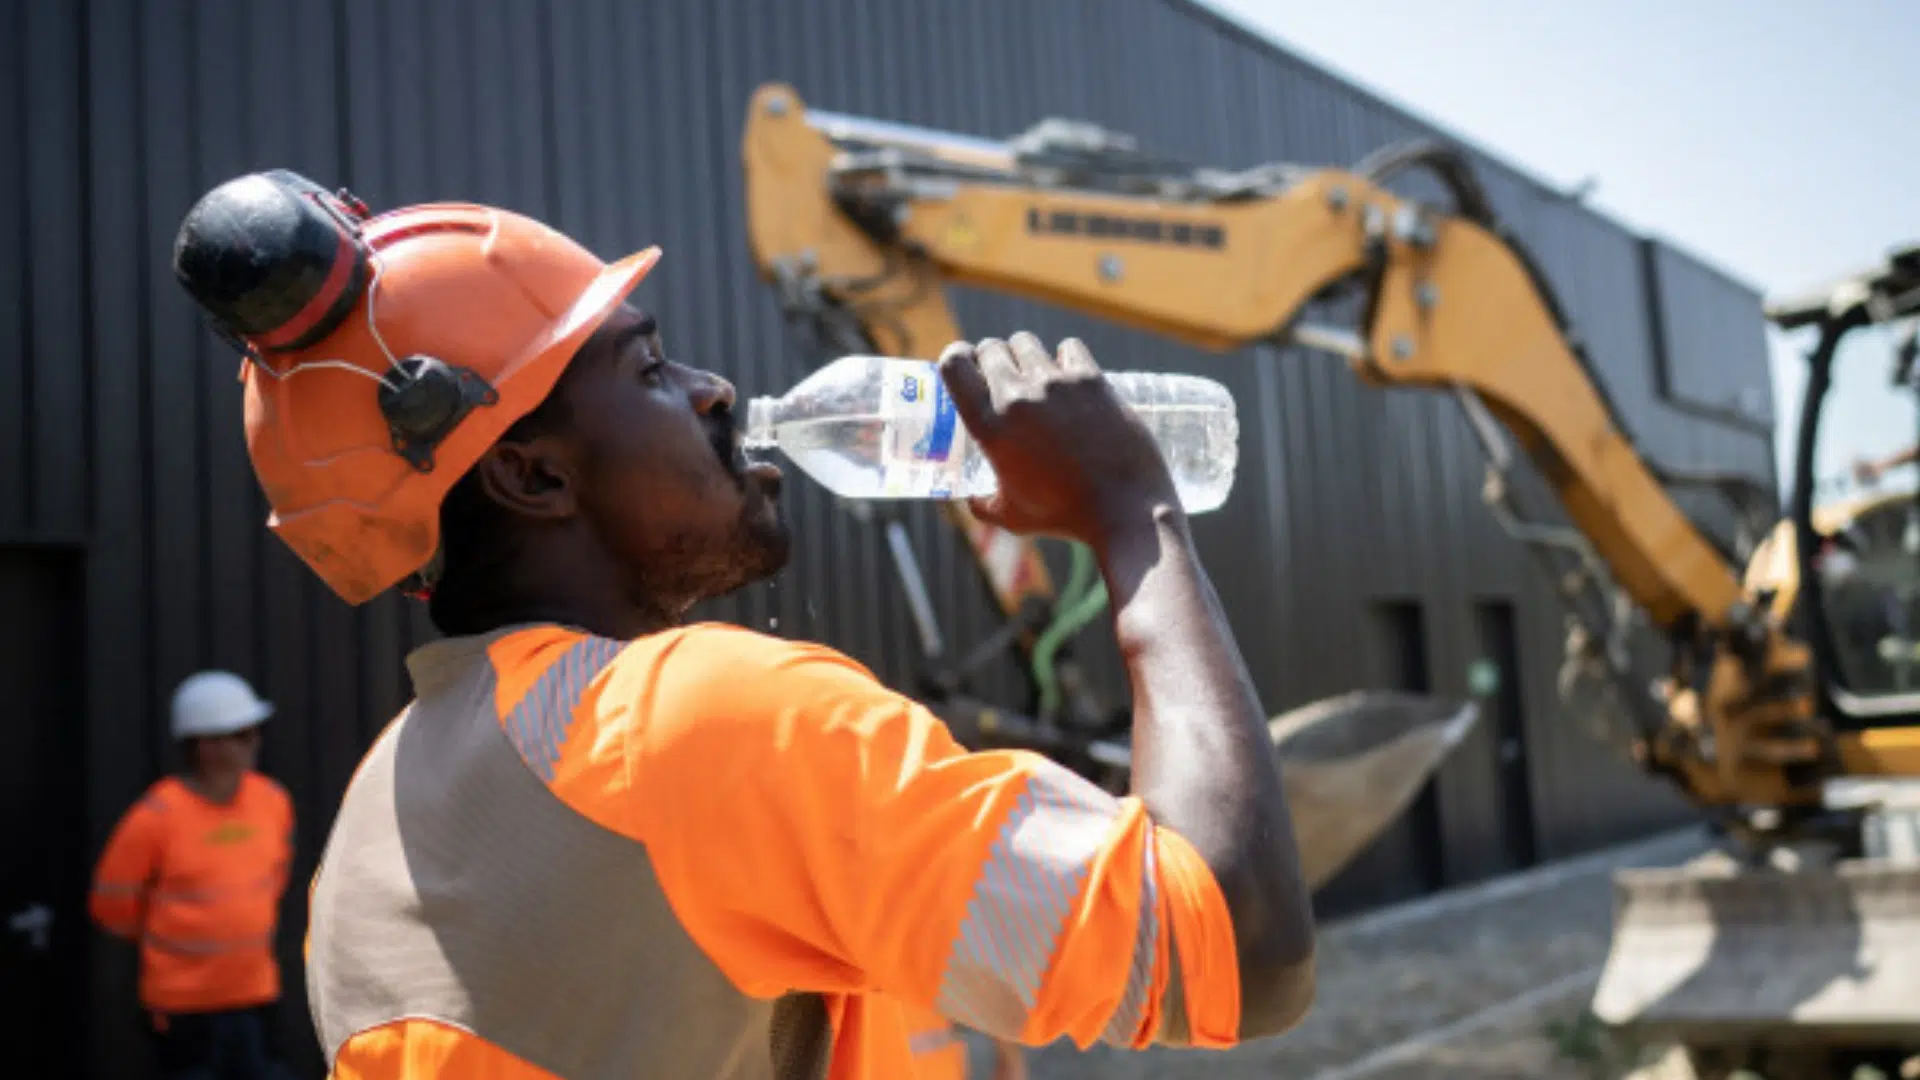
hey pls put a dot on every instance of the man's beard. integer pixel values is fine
(706, 567)
(701, 567)
(763, 544)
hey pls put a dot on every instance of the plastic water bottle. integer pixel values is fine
(882, 427)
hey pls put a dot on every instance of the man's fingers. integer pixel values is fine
(1001, 370)
(1030, 356)
(972, 397)
(1076, 360)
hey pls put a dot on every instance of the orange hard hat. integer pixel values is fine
(384, 354)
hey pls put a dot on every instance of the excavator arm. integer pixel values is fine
(861, 224)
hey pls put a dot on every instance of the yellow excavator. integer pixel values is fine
(1783, 712)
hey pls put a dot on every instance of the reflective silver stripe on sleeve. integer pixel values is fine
(1034, 872)
(538, 724)
(926, 1042)
(1146, 944)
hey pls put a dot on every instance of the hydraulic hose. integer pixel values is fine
(1446, 163)
(1083, 598)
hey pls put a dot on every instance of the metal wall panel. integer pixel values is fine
(44, 372)
(1712, 351)
(16, 329)
(619, 122)
(123, 710)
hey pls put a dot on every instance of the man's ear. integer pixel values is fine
(534, 478)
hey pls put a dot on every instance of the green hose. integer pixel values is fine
(1082, 599)
(1080, 576)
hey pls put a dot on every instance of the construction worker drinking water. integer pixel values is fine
(601, 841)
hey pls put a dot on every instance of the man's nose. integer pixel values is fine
(710, 391)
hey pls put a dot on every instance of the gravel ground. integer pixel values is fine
(1486, 982)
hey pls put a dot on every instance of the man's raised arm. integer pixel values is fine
(1071, 460)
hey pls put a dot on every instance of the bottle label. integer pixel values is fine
(922, 429)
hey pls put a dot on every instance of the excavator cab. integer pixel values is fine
(1799, 955)
(1855, 513)
(1867, 561)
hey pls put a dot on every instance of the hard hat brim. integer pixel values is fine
(253, 717)
(607, 292)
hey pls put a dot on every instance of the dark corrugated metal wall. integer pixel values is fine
(620, 122)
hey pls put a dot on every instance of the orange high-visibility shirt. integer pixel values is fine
(198, 886)
(580, 857)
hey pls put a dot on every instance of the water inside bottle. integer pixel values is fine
(854, 456)
(1196, 426)
(855, 442)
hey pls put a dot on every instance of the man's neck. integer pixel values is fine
(603, 612)
(215, 789)
(570, 580)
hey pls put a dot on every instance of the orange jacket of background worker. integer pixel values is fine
(603, 842)
(194, 872)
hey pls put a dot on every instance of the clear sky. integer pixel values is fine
(1778, 139)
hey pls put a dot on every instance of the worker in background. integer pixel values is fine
(193, 874)
(600, 838)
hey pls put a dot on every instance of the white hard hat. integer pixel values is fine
(216, 703)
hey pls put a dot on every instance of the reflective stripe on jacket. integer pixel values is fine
(938, 1051)
(198, 886)
(714, 853)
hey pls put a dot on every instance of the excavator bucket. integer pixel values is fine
(1717, 953)
(1351, 764)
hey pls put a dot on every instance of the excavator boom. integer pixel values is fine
(1222, 267)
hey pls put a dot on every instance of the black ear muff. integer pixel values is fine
(274, 260)
(277, 263)
(424, 399)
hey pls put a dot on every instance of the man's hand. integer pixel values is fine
(1071, 458)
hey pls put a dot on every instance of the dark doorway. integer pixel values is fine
(1406, 859)
(1499, 644)
(1402, 633)
(43, 917)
